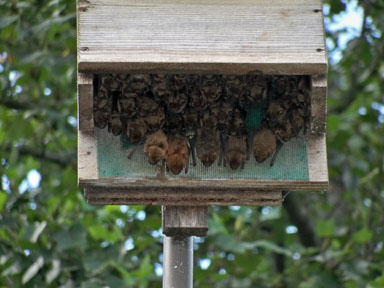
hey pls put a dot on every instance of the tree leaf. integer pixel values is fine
(7, 20)
(53, 272)
(34, 230)
(33, 269)
(325, 228)
(3, 199)
(363, 235)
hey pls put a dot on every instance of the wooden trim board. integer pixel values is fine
(178, 197)
(318, 103)
(85, 102)
(86, 140)
(195, 36)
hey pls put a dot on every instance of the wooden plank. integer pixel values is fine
(148, 184)
(318, 103)
(86, 157)
(194, 36)
(317, 159)
(85, 102)
(184, 221)
(87, 145)
(181, 197)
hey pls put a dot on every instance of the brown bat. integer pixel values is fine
(109, 82)
(173, 123)
(156, 147)
(264, 144)
(102, 109)
(136, 130)
(179, 82)
(177, 156)
(222, 112)
(155, 121)
(127, 104)
(297, 119)
(235, 152)
(177, 102)
(115, 125)
(277, 112)
(234, 87)
(208, 120)
(207, 146)
(160, 87)
(257, 88)
(235, 125)
(284, 132)
(195, 100)
(139, 82)
(146, 105)
(101, 118)
(211, 90)
(190, 119)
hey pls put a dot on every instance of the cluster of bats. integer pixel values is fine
(178, 117)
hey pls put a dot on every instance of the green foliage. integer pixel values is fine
(49, 236)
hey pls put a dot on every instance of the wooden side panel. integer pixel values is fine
(223, 37)
(86, 157)
(85, 102)
(185, 221)
(317, 160)
(87, 143)
(318, 103)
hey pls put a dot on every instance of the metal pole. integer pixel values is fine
(178, 262)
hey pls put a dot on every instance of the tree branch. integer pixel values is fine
(24, 106)
(306, 234)
(64, 159)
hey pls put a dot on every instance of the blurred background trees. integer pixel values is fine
(50, 237)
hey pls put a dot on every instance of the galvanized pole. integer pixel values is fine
(178, 262)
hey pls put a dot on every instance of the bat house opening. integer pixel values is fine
(202, 126)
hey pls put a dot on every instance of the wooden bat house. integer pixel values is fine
(241, 38)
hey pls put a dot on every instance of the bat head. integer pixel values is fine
(208, 159)
(155, 154)
(175, 163)
(236, 159)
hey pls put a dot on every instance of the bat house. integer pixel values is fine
(251, 75)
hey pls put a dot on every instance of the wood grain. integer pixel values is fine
(86, 157)
(318, 103)
(181, 197)
(317, 159)
(86, 140)
(185, 221)
(194, 36)
(85, 102)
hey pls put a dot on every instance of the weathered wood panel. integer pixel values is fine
(185, 221)
(85, 102)
(235, 37)
(87, 169)
(86, 142)
(318, 103)
(181, 196)
(317, 159)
